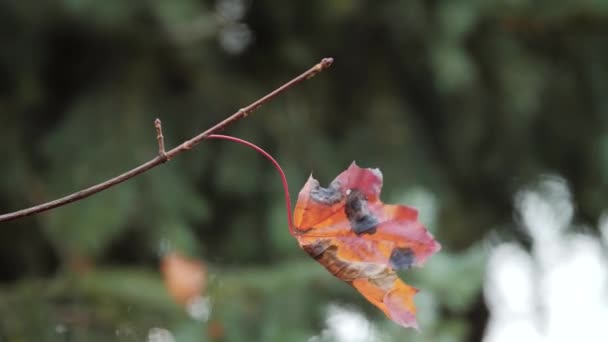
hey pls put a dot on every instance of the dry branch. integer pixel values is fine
(165, 156)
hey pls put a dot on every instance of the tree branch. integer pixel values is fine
(165, 156)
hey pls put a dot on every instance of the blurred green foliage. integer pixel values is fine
(459, 103)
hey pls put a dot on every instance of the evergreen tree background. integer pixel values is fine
(460, 103)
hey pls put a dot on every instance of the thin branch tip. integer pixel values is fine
(327, 62)
(161, 140)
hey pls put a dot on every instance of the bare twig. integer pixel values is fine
(186, 145)
(160, 139)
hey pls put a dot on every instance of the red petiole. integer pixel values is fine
(276, 165)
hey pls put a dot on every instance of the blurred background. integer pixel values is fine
(490, 117)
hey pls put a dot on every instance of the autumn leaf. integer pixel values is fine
(359, 239)
(363, 241)
(185, 278)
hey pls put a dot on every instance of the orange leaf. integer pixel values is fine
(363, 241)
(185, 278)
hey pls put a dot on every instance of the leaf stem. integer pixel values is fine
(276, 165)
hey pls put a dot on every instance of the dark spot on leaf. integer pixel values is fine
(317, 248)
(302, 230)
(402, 258)
(346, 270)
(361, 219)
(330, 195)
(338, 267)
